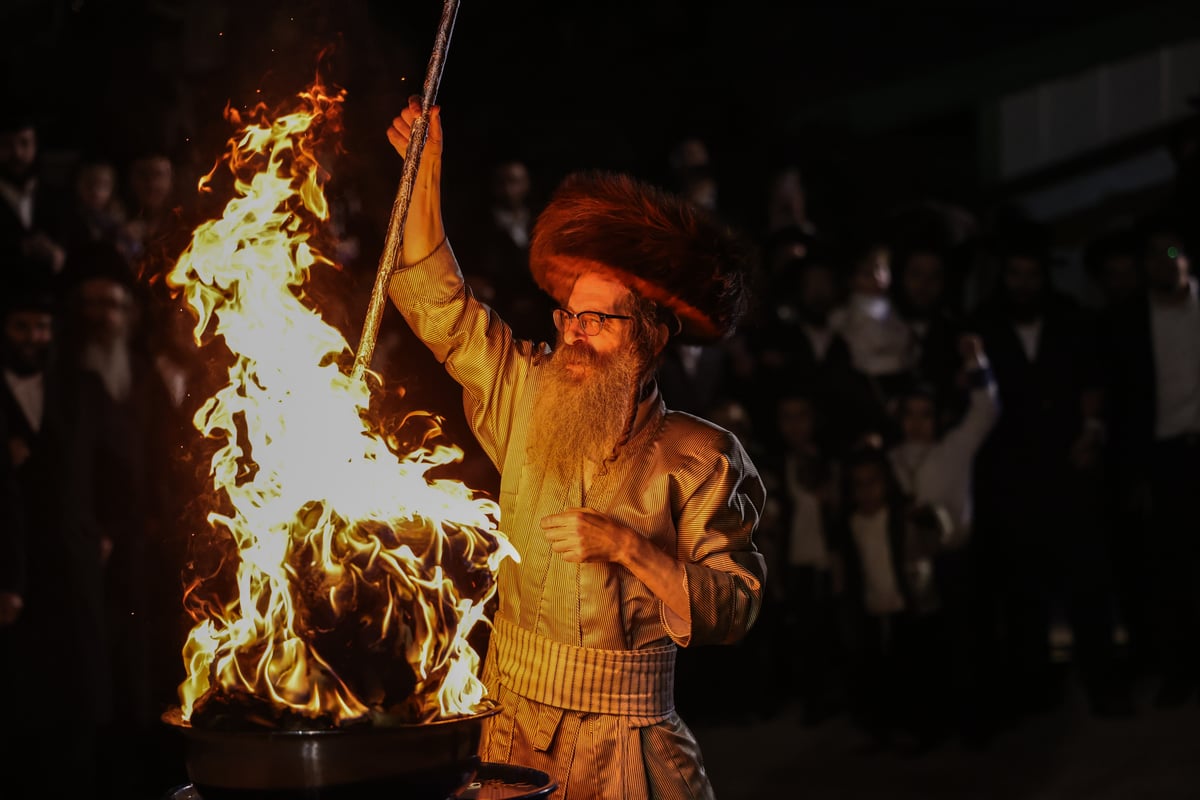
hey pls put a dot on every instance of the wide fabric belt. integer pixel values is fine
(629, 682)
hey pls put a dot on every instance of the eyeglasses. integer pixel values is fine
(590, 322)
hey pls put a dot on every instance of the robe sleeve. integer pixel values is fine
(722, 499)
(469, 338)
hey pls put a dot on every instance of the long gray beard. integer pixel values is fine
(110, 360)
(582, 418)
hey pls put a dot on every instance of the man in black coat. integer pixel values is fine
(52, 638)
(1041, 545)
(923, 295)
(30, 211)
(1153, 354)
(794, 341)
(102, 338)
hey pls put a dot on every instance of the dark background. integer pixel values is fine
(885, 95)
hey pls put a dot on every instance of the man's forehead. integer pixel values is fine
(597, 291)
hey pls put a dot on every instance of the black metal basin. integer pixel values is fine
(430, 760)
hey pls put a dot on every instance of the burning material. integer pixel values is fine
(354, 578)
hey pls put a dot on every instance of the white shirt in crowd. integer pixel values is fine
(20, 200)
(30, 394)
(1030, 334)
(806, 539)
(820, 339)
(174, 378)
(111, 363)
(689, 358)
(940, 473)
(515, 223)
(1176, 334)
(881, 592)
(880, 341)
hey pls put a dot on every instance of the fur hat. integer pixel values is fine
(666, 249)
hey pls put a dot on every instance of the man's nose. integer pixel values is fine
(572, 332)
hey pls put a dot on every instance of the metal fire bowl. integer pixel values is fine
(430, 760)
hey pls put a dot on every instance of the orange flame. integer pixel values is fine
(324, 515)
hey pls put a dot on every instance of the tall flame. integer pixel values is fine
(334, 531)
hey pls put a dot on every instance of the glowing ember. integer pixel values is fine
(349, 556)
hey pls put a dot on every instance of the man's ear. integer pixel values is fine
(662, 335)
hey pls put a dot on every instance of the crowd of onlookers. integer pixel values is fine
(981, 483)
(981, 487)
(101, 377)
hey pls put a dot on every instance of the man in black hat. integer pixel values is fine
(28, 331)
(1154, 364)
(51, 632)
(29, 210)
(102, 338)
(1040, 536)
(634, 523)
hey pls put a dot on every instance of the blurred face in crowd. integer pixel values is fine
(918, 419)
(701, 191)
(818, 293)
(1024, 287)
(107, 310)
(787, 204)
(1167, 265)
(1119, 278)
(28, 336)
(95, 186)
(796, 421)
(923, 281)
(150, 179)
(689, 153)
(868, 487)
(873, 274)
(510, 185)
(18, 151)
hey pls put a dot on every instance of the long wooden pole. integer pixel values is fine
(412, 159)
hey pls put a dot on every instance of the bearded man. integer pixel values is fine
(634, 524)
(51, 626)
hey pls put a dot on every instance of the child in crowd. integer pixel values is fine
(934, 462)
(894, 630)
(880, 341)
(94, 212)
(806, 489)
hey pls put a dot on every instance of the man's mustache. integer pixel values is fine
(578, 353)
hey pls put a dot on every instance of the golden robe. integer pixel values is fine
(582, 658)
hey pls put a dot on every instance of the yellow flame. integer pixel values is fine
(322, 511)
